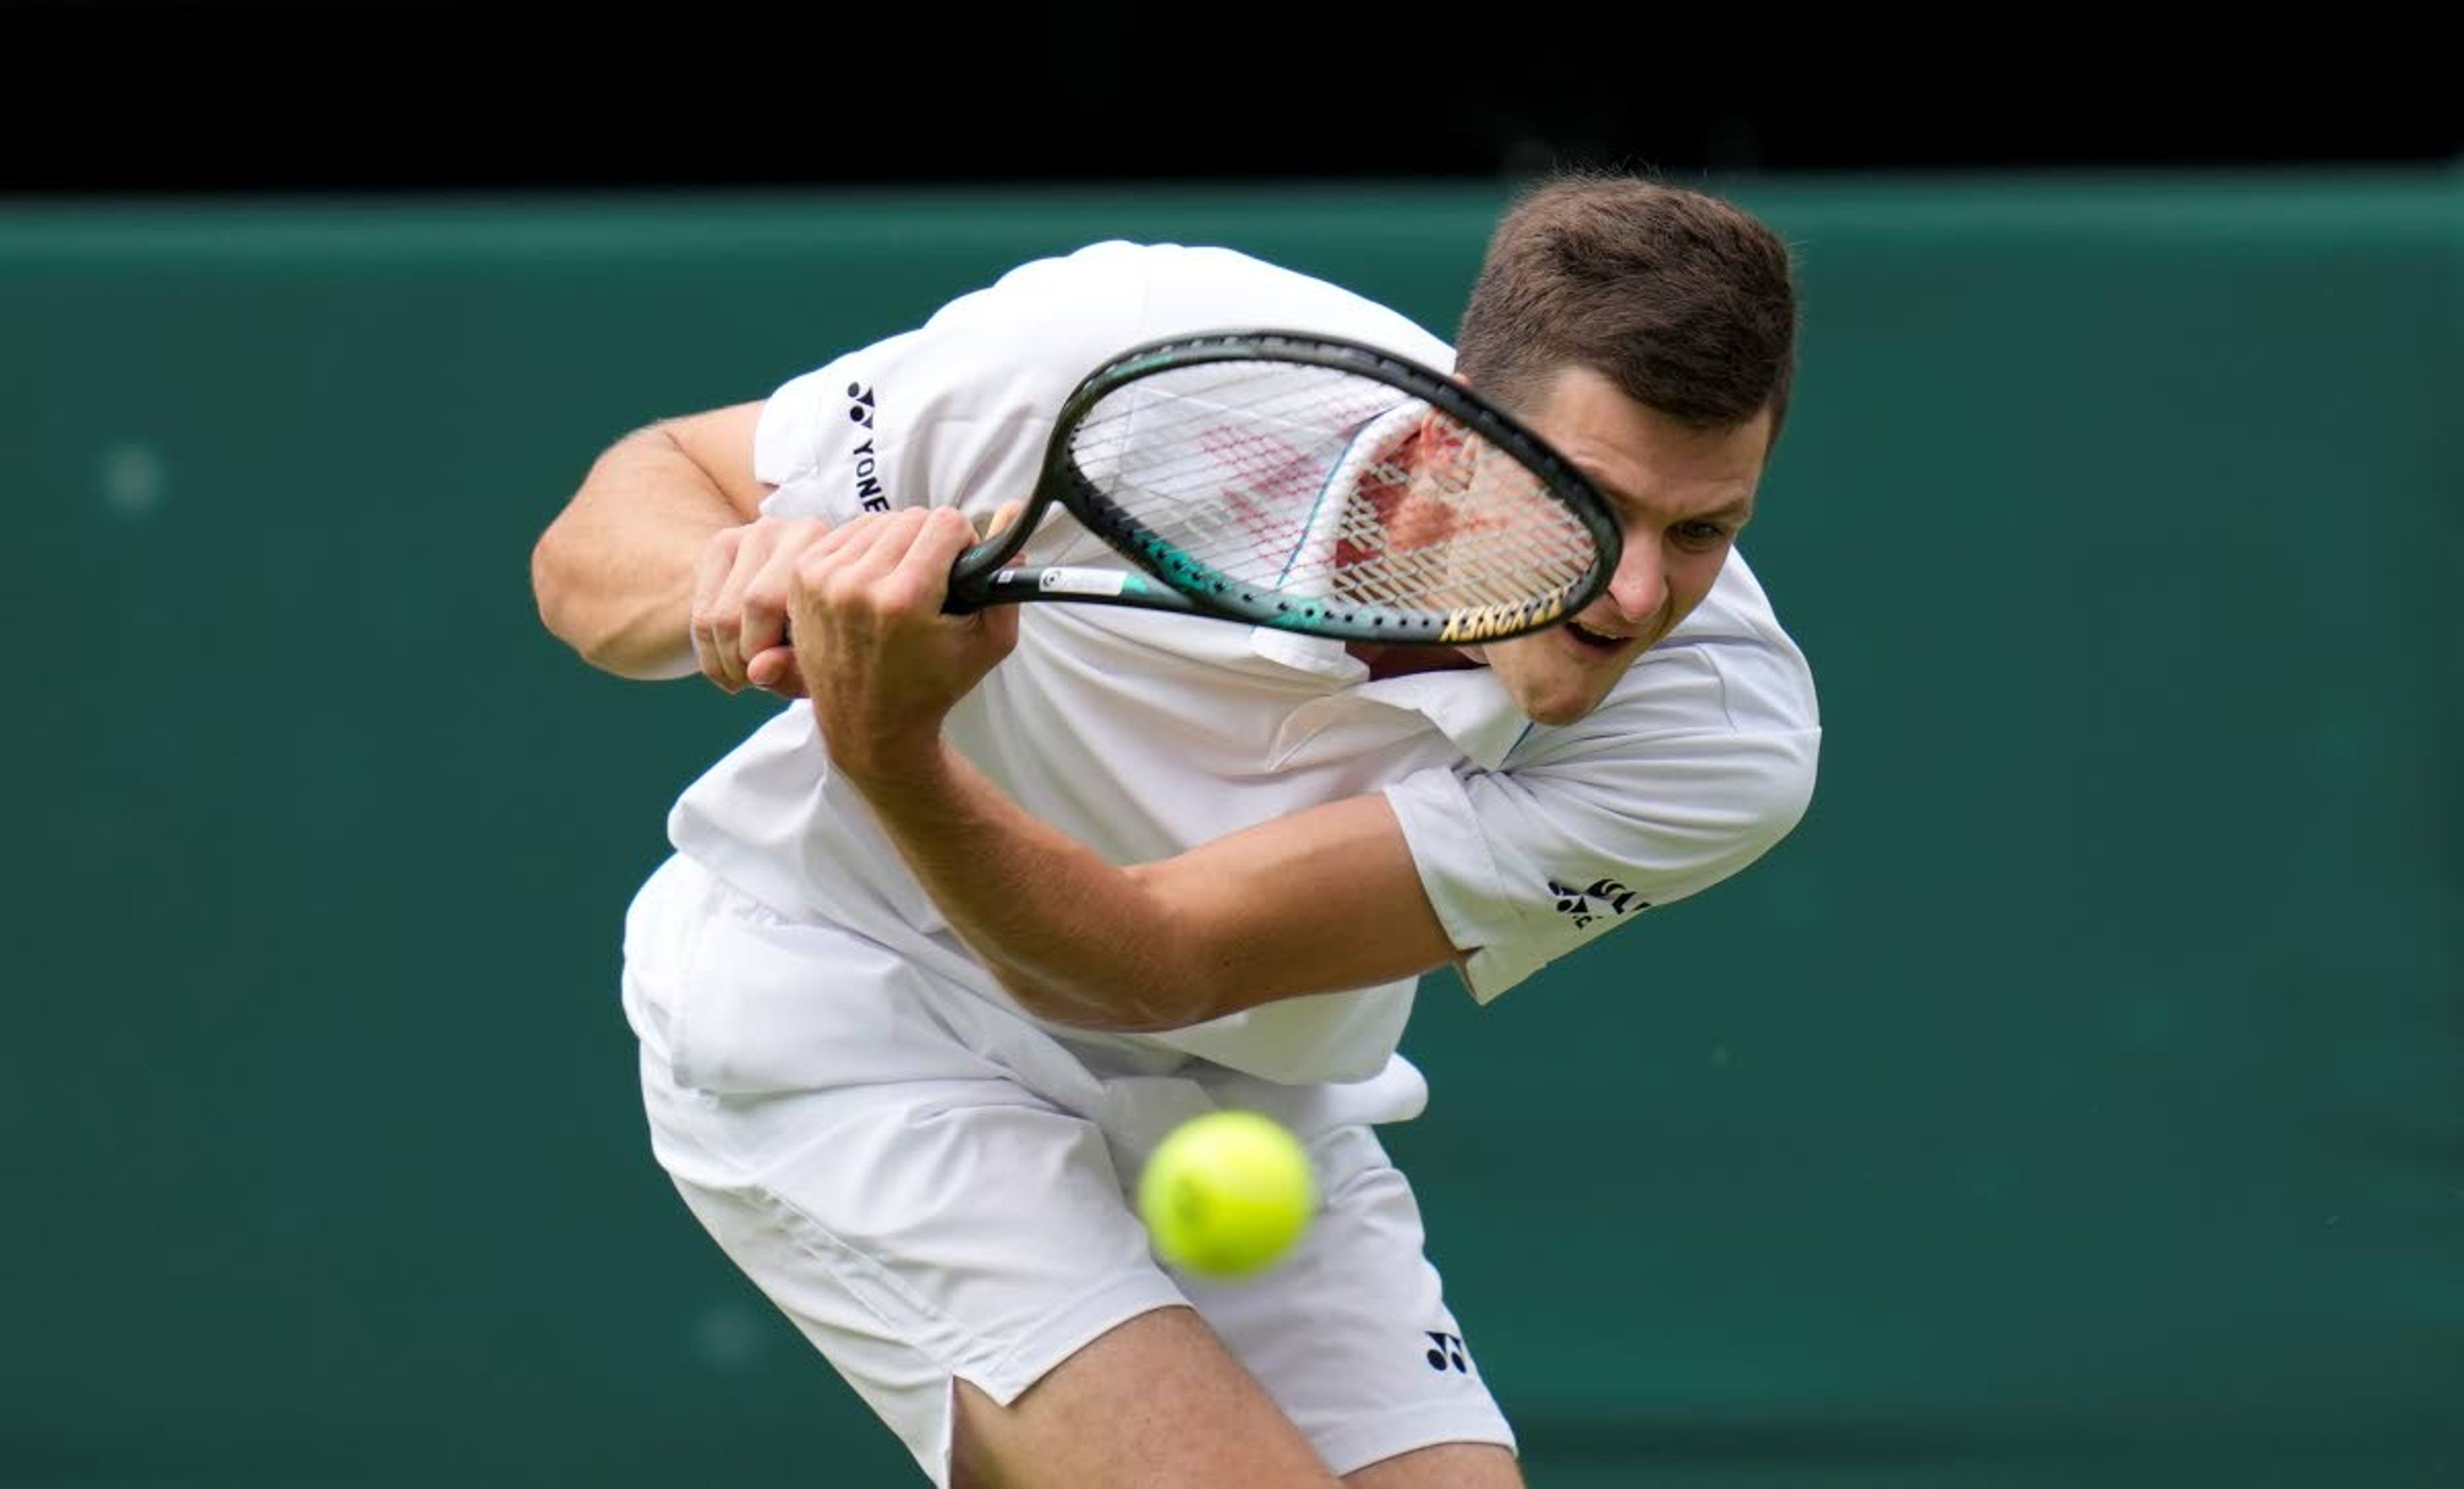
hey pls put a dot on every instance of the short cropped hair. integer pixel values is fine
(1683, 300)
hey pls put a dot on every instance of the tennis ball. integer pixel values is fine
(1226, 1194)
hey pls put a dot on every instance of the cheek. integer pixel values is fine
(1695, 579)
(1520, 665)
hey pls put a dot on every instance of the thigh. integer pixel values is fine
(916, 1182)
(1352, 1334)
(1156, 1403)
(925, 1239)
(1452, 1465)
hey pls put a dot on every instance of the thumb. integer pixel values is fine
(1003, 517)
(999, 623)
(776, 670)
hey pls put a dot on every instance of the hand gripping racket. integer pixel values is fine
(1309, 483)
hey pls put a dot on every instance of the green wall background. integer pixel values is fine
(2077, 1097)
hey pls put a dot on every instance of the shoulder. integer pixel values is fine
(1749, 674)
(1145, 291)
(989, 370)
(1698, 763)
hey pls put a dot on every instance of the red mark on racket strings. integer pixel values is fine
(1273, 482)
(1411, 494)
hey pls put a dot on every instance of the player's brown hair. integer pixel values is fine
(1685, 302)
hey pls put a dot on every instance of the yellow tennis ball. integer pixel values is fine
(1227, 1194)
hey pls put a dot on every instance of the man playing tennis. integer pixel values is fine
(947, 945)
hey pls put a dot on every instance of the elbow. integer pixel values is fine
(1783, 794)
(551, 592)
(1118, 1008)
(1765, 796)
(565, 611)
(1162, 979)
(1792, 787)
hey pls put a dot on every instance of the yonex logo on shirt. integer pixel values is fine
(868, 478)
(1447, 1349)
(1601, 897)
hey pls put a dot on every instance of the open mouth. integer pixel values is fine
(1593, 639)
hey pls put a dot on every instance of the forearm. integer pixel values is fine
(613, 576)
(1074, 937)
(1319, 901)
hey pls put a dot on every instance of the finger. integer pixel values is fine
(763, 614)
(922, 574)
(883, 547)
(815, 549)
(752, 605)
(1003, 517)
(711, 572)
(999, 623)
(816, 537)
(775, 671)
(827, 573)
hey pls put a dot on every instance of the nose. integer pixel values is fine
(1639, 587)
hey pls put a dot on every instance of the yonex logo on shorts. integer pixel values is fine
(868, 470)
(1601, 897)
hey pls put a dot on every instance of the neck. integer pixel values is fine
(1395, 662)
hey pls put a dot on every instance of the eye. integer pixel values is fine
(1702, 535)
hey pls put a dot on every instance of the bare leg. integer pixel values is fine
(1445, 1465)
(1157, 1403)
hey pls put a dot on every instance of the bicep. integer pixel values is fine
(1326, 899)
(720, 442)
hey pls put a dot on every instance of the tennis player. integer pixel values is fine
(953, 939)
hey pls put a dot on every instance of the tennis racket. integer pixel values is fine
(1309, 483)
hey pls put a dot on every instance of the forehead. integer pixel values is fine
(1641, 455)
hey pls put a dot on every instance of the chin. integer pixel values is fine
(1560, 704)
(1559, 711)
(1547, 690)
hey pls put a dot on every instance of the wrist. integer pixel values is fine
(892, 773)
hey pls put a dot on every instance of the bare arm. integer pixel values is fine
(1320, 901)
(615, 574)
(1323, 900)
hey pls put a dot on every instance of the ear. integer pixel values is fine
(1441, 437)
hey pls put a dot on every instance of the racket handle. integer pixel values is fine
(1061, 582)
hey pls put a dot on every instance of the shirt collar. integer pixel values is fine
(1468, 704)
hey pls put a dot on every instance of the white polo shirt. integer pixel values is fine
(1143, 735)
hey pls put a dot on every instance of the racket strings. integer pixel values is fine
(1323, 485)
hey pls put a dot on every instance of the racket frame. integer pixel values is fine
(1167, 579)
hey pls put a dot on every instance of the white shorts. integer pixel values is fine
(933, 1188)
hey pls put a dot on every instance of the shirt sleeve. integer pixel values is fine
(1701, 759)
